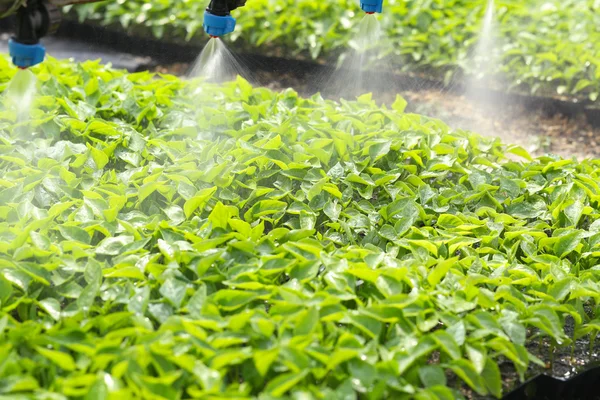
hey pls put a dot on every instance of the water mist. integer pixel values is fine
(489, 109)
(20, 94)
(484, 61)
(357, 70)
(217, 64)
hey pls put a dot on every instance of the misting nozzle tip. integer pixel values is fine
(370, 12)
(213, 37)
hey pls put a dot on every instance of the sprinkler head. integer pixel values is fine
(34, 20)
(217, 25)
(26, 55)
(371, 6)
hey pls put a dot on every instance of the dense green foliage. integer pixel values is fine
(551, 45)
(162, 239)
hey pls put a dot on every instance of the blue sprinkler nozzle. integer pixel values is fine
(216, 25)
(26, 55)
(372, 6)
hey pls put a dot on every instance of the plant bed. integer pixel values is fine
(171, 239)
(273, 60)
(541, 130)
(539, 125)
(545, 46)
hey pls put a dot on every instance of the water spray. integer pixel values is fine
(216, 63)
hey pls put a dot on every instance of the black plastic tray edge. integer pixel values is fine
(582, 386)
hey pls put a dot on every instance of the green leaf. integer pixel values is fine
(285, 382)
(265, 208)
(113, 245)
(62, 360)
(306, 322)
(447, 344)
(197, 301)
(432, 375)
(221, 214)
(5, 290)
(98, 391)
(99, 157)
(423, 348)
(139, 301)
(198, 201)
(492, 378)
(307, 220)
(93, 276)
(209, 378)
(465, 371)
(174, 290)
(52, 307)
(526, 209)
(477, 356)
(341, 356)
(175, 214)
(399, 104)
(458, 332)
(229, 299)
(74, 233)
(567, 243)
(93, 272)
(263, 359)
(440, 270)
(520, 151)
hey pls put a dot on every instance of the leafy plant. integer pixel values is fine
(544, 46)
(164, 239)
